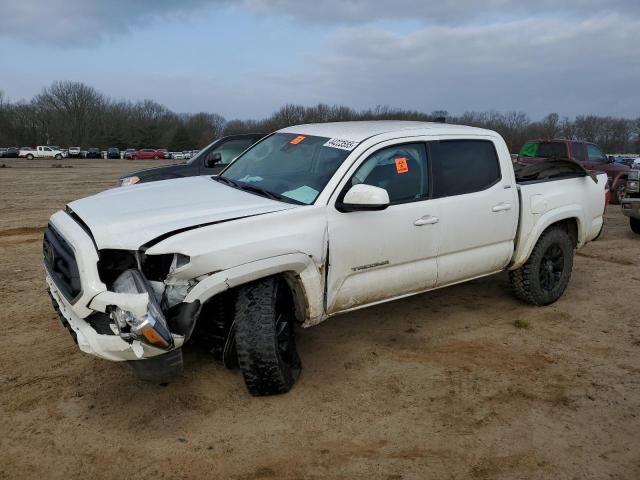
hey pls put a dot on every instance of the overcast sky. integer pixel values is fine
(246, 58)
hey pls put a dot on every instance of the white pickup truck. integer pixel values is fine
(310, 222)
(42, 152)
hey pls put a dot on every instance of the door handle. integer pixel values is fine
(426, 220)
(501, 207)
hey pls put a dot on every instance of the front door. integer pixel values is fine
(378, 255)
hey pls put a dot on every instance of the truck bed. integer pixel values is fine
(554, 190)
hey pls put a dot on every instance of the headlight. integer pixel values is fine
(632, 186)
(128, 181)
(151, 327)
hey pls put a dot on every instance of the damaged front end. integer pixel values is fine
(119, 305)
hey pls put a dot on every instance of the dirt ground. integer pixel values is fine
(464, 382)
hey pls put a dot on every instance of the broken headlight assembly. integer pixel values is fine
(150, 327)
(126, 181)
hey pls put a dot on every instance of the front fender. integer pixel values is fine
(310, 276)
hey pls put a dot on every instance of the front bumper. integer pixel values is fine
(109, 347)
(631, 207)
(94, 297)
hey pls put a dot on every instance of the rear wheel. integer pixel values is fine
(265, 337)
(544, 277)
(156, 157)
(635, 224)
(29, 157)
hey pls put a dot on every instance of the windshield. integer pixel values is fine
(288, 166)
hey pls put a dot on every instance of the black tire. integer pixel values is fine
(544, 277)
(618, 192)
(156, 157)
(29, 157)
(58, 157)
(634, 223)
(265, 337)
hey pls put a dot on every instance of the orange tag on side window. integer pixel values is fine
(297, 140)
(401, 165)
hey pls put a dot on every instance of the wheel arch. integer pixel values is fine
(300, 273)
(569, 221)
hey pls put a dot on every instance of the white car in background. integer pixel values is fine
(75, 152)
(42, 151)
(177, 155)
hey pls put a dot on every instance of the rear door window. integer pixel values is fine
(552, 150)
(463, 166)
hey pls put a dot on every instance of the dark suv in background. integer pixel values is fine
(209, 161)
(589, 155)
(113, 153)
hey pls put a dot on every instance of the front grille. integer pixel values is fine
(60, 262)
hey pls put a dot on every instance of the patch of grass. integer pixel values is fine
(518, 323)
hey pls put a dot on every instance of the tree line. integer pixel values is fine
(74, 114)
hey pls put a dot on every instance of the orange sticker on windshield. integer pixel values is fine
(401, 165)
(297, 140)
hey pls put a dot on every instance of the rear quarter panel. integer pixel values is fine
(545, 203)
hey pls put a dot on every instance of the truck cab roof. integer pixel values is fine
(359, 131)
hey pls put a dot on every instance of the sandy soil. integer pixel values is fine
(463, 383)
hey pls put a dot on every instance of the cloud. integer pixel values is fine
(86, 23)
(80, 22)
(437, 12)
(566, 66)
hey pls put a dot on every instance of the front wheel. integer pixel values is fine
(618, 192)
(58, 157)
(634, 223)
(156, 157)
(265, 337)
(544, 277)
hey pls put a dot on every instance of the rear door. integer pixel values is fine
(378, 255)
(479, 208)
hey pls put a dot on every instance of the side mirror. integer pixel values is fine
(213, 160)
(364, 197)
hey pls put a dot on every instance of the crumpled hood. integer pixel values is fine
(129, 217)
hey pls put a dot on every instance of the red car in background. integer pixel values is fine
(147, 154)
(587, 154)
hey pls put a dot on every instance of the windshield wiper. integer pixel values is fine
(262, 191)
(228, 181)
(257, 190)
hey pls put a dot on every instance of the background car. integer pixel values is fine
(113, 152)
(186, 154)
(177, 156)
(24, 151)
(210, 161)
(165, 151)
(74, 152)
(148, 154)
(128, 152)
(2, 151)
(11, 152)
(94, 153)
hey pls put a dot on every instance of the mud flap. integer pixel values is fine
(161, 369)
